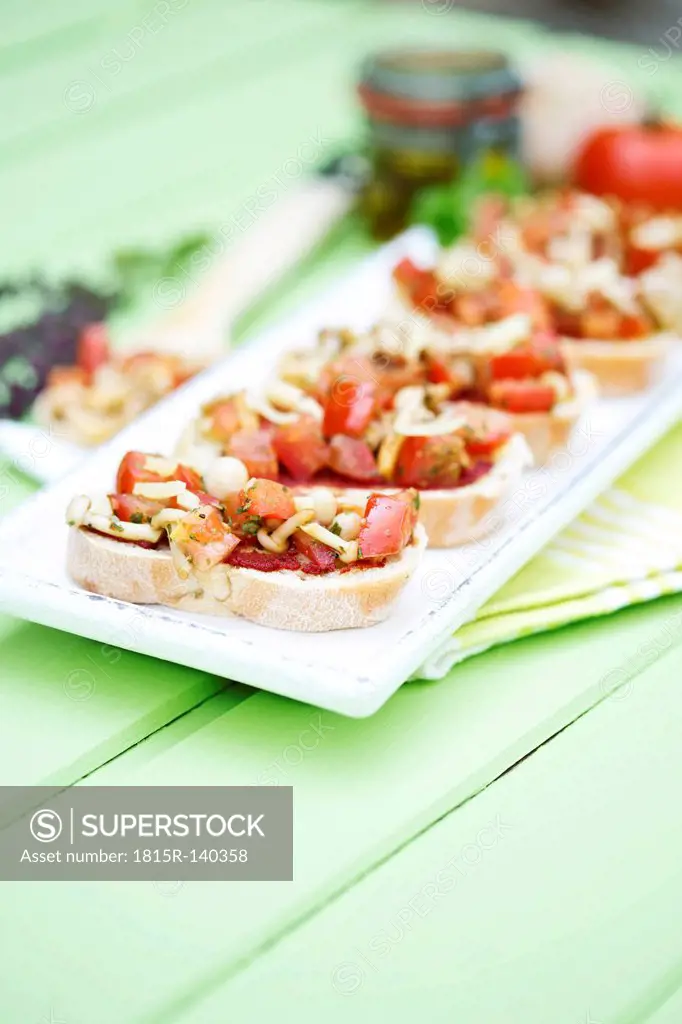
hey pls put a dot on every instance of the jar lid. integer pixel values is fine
(440, 76)
(382, 106)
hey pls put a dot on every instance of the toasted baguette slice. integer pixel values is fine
(283, 600)
(620, 367)
(546, 432)
(457, 515)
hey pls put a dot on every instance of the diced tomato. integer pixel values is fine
(438, 371)
(239, 517)
(528, 360)
(224, 418)
(188, 476)
(319, 554)
(300, 447)
(387, 524)
(420, 285)
(255, 558)
(130, 508)
(518, 363)
(639, 260)
(635, 326)
(512, 298)
(353, 458)
(486, 444)
(59, 375)
(518, 396)
(350, 406)
(255, 449)
(430, 461)
(132, 471)
(204, 537)
(566, 322)
(267, 499)
(486, 428)
(93, 348)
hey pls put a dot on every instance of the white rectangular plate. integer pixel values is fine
(352, 672)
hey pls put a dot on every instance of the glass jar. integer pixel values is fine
(429, 113)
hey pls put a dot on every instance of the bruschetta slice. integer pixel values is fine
(312, 563)
(359, 434)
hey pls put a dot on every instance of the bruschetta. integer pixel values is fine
(310, 563)
(511, 365)
(521, 370)
(89, 402)
(358, 434)
(607, 325)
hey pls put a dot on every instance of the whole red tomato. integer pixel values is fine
(639, 163)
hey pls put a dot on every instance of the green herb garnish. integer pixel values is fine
(252, 525)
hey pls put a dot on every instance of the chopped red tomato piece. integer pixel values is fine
(132, 471)
(639, 260)
(267, 499)
(351, 457)
(421, 285)
(439, 371)
(349, 407)
(93, 348)
(528, 360)
(512, 298)
(248, 557)
(486, 430)
(635, 326)
(518, 396)
(130, 508)
(254, 448)
(188, 476)
(203, 537)
(319, 554)
(388, 524)
(430, 461)
(300, 447)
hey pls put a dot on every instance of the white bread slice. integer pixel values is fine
(283, 600)
(457, 515)
(546, 432)
(620, 367)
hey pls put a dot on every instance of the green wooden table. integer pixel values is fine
(435, 875)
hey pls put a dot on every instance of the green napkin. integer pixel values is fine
(625, 549)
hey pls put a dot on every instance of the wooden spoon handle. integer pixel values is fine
(232, 274)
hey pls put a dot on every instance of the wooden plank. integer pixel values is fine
(68, 705)
(553, 896)
(363, 789)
